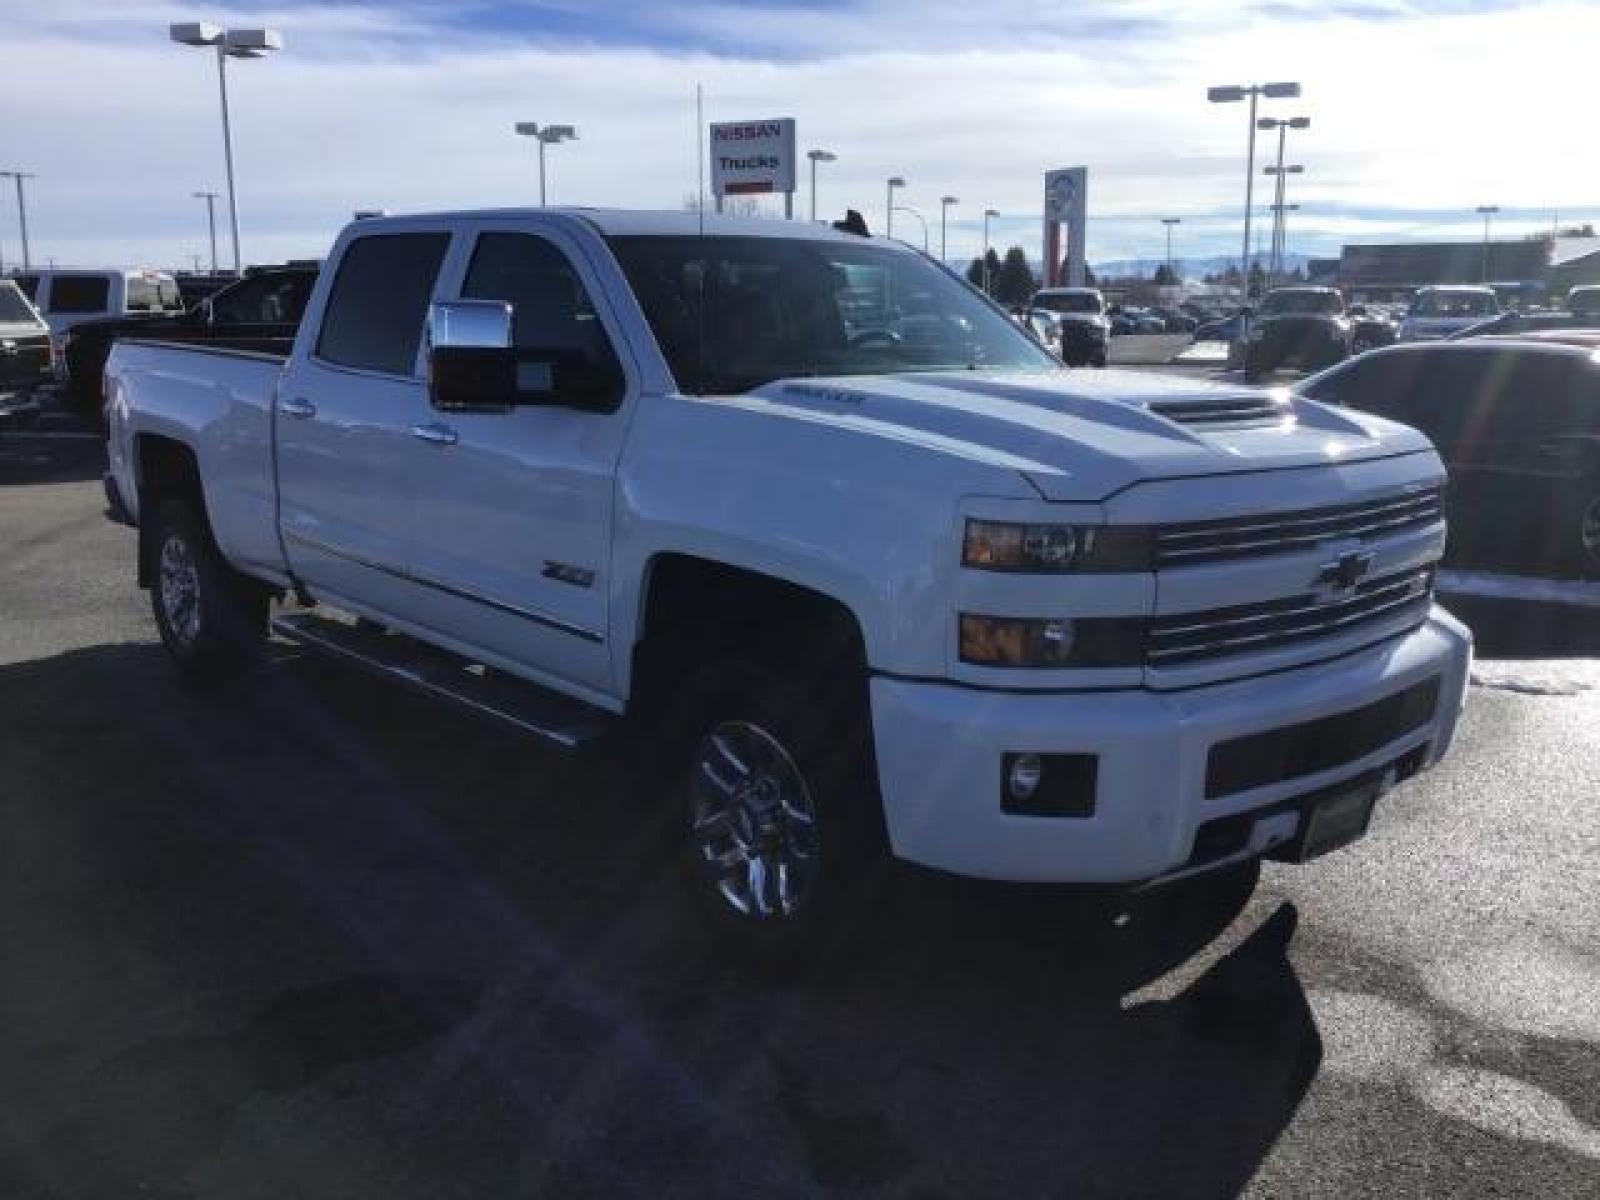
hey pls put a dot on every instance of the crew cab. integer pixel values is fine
(878, 574)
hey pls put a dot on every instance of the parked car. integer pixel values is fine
(1370, 327)
(1437, 312)
(946, 600)
(1584, 301)
(1517, 421)
(1175, 321)
(1296, 326)
(1083, 326)
(1518, 323)
(27, 359)
(1225, 329)
(66, 297)
(260, 312)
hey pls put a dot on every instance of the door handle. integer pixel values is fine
(437, 433)
(298, 407)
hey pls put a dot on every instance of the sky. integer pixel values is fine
(1421, 110)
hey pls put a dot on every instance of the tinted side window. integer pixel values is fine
(379, 302)
(550, 308)
(79, 293)
(1551, 394)
(29, 285)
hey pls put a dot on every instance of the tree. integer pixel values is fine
(975, 273)
(1013, 282)
(1164, 276)
(1258, 279)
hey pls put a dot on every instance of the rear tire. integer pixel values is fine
(1586, 530)
(212, 620)
(780, 821)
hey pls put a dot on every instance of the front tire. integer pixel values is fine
(211, 619)
(1586, 551)
(781, 822)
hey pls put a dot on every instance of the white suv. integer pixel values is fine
(66, 296)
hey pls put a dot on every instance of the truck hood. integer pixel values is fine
(1085, 435)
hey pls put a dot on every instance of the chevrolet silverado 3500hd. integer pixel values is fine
(892, 578)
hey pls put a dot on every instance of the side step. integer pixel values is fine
(560, 720)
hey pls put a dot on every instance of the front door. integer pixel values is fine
(346, 412)
(513, 523)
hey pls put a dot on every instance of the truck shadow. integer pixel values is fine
(965, 1039)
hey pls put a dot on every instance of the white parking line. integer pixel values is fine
(1577, 593)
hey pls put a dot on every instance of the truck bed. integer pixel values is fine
(218, 400)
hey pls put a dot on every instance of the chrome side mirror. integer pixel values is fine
(471, 363)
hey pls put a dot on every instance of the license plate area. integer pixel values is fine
(1334, 821)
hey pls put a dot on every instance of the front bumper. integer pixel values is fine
(940, 748)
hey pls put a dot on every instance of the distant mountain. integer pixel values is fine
(1190, 267)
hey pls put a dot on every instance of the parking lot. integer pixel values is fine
(306, 936)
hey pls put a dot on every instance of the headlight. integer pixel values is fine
(1054, 549)
(1058, 642)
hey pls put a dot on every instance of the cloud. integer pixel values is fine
(1419, 114)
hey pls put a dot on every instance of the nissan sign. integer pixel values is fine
(752, 157)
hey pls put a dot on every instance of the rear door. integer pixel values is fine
(345, 414)
(513, 517)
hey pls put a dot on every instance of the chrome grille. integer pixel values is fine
(1267, 625)
(1228, 412)
(1248, 537)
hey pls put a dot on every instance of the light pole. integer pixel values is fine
(546, 135)
(895, 181)
(1486, 211)
(1169, 222)
(1230, 95)
(230, 43)
(987, 213)
(1281, 192)
(22, 209)
(817, 156)
(1283, 127)
(211, 223)
(946, 203)
(906, 208)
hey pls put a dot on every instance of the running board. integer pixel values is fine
(565, 723)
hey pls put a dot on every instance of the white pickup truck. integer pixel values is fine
(888, 577)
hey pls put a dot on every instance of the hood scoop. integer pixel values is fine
(1228, 412)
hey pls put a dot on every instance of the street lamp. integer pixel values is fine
(211, 222)
(547, 135)
(817, 156)
(22, 209)
(1486, 211)
(946, 203)
(1275, 256)
(1231, 95)
(987, 213)
(895, 181)
(1169, 222)
(1281, 191)
(230, 43)
(906, 208)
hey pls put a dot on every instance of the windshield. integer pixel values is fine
(1317, 303)
(14, 309)
(1069, 302)
(1456, 304)
(776, 308)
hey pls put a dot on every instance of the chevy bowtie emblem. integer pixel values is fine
(1344, 572)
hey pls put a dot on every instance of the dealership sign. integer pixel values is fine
(752, 157)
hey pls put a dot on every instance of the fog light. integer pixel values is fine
(1022, 781)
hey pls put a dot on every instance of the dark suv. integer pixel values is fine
(1296, 326)
(1517, 421)
(260, 312)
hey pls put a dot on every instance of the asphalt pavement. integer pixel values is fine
(304, 936)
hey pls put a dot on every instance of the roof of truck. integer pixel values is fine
(660, 223)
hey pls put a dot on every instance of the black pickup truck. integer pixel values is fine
(260, 312)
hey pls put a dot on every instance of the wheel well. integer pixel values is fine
(696, 608)
(167, 470)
